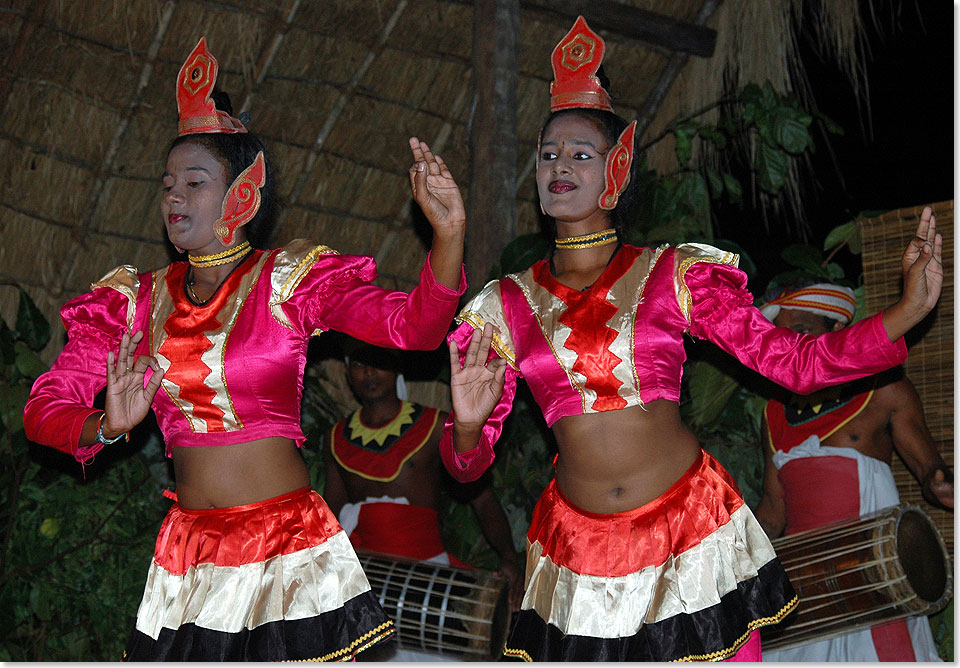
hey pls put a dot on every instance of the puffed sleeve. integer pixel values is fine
(485, 307)
(62, 398)
(712, 295)
(314, 288)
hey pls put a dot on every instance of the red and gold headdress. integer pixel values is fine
(242, 200)
(198, 114)
(195, 108)
(575, 85)
(576, 59)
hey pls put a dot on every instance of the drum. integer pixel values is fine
(858, 573)
(453, 612)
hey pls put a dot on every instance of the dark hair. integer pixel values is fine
(237, 152)
(610, 126)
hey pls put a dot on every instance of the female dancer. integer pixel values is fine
(641, 548)
(250, 564)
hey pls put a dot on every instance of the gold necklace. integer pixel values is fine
(217, 259)
(191, 281)
(593, 240)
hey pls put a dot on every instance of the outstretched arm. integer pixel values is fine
(913, 441)
(439, 198)
(922, 269)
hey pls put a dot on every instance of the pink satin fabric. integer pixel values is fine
(721, 311)
(261, 369)
(750, 651)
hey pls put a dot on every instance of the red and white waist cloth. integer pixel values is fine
(266, 581)
(690, 576)
(391, 525)
(824, 484)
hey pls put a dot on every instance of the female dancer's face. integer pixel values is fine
(570, 169)
(194, 184)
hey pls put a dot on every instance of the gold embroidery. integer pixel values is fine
(518, 653)
(543, 330)
(476, 321)
(383, 631)
(751, 627)
(291, 274)
(705, 254)
(124, 280)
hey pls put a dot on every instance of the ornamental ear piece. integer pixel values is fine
(242, 200)
(616, 174)
(195, 107)
(576, 59)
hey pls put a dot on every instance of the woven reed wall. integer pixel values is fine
(930, 365)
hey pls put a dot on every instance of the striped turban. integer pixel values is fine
(831, 301)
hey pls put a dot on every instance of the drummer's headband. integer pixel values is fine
(575, 85)
(824, 299)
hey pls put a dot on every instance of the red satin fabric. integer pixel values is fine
(587, 314)
(244, 534)
(809, 503)
(617, 544)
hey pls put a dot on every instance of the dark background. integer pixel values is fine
(904, 159)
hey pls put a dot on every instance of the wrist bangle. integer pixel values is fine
(109, 441)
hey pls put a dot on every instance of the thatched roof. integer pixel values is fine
(334, 87)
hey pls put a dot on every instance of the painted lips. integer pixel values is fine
(175, 218)
(559, 187)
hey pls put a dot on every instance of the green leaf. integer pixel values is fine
(32, 327)
(804, 256)
(7, 337)
(684, 142)
(28, 363)
(771, 165)
(791, 133)
(50, 527)
(834, 271)
(13, 398)
(522, 252)
(710, 389)
(840, 234)
(832, 126)
(733, 187)
(714, 136)
(716, 183)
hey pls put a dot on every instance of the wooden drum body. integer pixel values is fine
(858, 573)
(455, 612)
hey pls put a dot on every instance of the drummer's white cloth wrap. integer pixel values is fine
(877, 491)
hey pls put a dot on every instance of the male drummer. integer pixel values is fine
(827, 458)
(384, 474)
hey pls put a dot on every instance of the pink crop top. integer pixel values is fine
(233, 367)
(619, 343)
